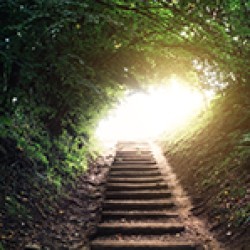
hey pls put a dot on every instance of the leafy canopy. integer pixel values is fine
(64, 63)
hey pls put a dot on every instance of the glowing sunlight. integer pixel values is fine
(145, 115)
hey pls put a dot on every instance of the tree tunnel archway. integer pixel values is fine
(148, 114)
(72, 56)
(65, 64)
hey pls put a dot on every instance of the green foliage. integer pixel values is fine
(15, 209)
(1, 246)
(246, 139)
(50, 95)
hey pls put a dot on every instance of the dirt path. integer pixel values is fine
(145, 207)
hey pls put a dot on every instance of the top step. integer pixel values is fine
(135, 158)
(134, 162)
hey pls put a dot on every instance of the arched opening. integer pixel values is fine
(147, 114)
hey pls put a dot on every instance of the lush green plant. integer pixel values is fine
(15, 208)
(1, 246)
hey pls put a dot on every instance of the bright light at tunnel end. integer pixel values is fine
(146, 115)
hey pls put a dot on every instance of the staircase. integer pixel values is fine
(139, 211)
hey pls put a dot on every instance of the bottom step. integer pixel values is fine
(143, 245)
(139, 228)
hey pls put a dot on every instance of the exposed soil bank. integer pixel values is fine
(211, 158)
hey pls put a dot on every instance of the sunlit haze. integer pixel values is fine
(146, 115)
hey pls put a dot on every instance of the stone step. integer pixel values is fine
(138, 215)
(138, 204)
(134, 154)
(135, 162)
(133, 168)
(122, 160)
(133, 186)
(142, 245)
(138, 194)
(131, 174)
(139, 228)
(137, 175)
(134, 180)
